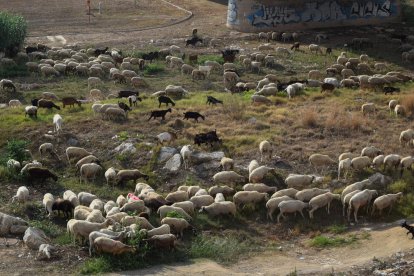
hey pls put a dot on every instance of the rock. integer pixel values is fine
(12, 225)
(166, 153)
(380, 181)
(73, 142)
(206, 170)
(125, 148)
(34, 237)
(174, 163)
(202, 157)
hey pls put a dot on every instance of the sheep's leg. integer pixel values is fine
(329, 206)
(311, 214)
(389, 211)
(301, 213)
(356, 214)
(343, 209)
(349, 212)
(278, 217)
(373, 210)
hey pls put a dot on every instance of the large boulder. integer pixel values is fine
(125, 148)
(380, 181)
(165, 154)
(11, 225)
(203, 157)
(34, 237)
(174, 163)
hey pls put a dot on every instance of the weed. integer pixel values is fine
(309, 118)
(16, 149)
(325, 241)
(154, 68)
(235, 109)
(203, 58)
(123, 135)
(174, 214)
(337, 228)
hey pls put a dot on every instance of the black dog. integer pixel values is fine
(409, 228)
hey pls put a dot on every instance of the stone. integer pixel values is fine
(166, 153)
(202, 157)
(73, 142)
(380, 181)
(34, 237)
(125, 148)
(174, 163)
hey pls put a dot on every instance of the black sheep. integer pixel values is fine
(9, 85)
(193, 115)
(34, 102)
(207, 138)
(31, 49)
(212, 100)
(151, 56)
(100, 51)
(409, 228)
(295, 46)
(193, 41)
(159, 113)
(127, 93)
(65, 206)
(390, 90)
(70, 101)
(166, 100)
(327, 87)
(229, 55)
(47, 104)
(40, 174)
(124, 106)
(328, 51)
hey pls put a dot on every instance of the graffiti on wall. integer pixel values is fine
(232, 13)
(270, 16)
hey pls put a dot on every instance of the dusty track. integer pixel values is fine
(384, 240)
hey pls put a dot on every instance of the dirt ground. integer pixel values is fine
(384, 240)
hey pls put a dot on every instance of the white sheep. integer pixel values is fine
(246, 197)
(345, 200)
(392, 160)
(81, 212)
(291, 206)
(81, 229)
(115, 114)
(344, 166)
(259, 173)
(293, 89)
(76, 152)
(368, 108)
(96, 234)
(315, 48)
(378, 161)
(266, 150)
(259, 187)
(89, 171)
(320, 160)
(385, 201)
(110, 175)
(47, 201)
(192, 190)
(107, 245)
(134, 206)
(406, 136)
(226, 163)
(177, 196)
(360, 162)
(220, 208)
(359, 200)
(57, 122)
(332, 81)
(355, 186)
(228, 177)
(142, 222)
(14, 103)
(399, 110)
(176, 224)
(116, 215)
(320, 201)
(164, 210)
(13, 165)
(314, 74)
(273, 203)
(299, 181)
(346, 155)
(95, 216)
(253, 165)
(201, 200)
(31, 111)
(85, 198)
(370, 151)
(406, 163)
(22, 195)
(201, 192)
(308, 194)
(94, 82)
(219, 198)
(186, 152)
(45, 148)
(166, 137)
(187, 206)
(392, 104)
(290, 192)
(72, 197)
(97, 204)
(225, 190)
(163, 229)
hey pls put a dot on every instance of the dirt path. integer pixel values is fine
(384, 241)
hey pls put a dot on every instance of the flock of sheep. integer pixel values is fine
(108, 225)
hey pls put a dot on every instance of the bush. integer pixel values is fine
(204, 58)
(309, 118)
(153, 68)
(16, 149)
(13, 30)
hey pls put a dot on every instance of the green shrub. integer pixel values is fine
(153, 68)
(13, 30)
(13, 71)
(174, 214)
(16, 149)
(204, 58)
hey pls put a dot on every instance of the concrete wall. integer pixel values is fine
(267, 15)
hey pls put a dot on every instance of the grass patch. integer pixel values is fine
(322, 241)
(203, 58)
(337, 228)
(154, 68)
(309, 118)
(222, 249)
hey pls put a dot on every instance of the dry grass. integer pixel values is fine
(309, 118)
(341, 122)
(235, 109)
(408, 103)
